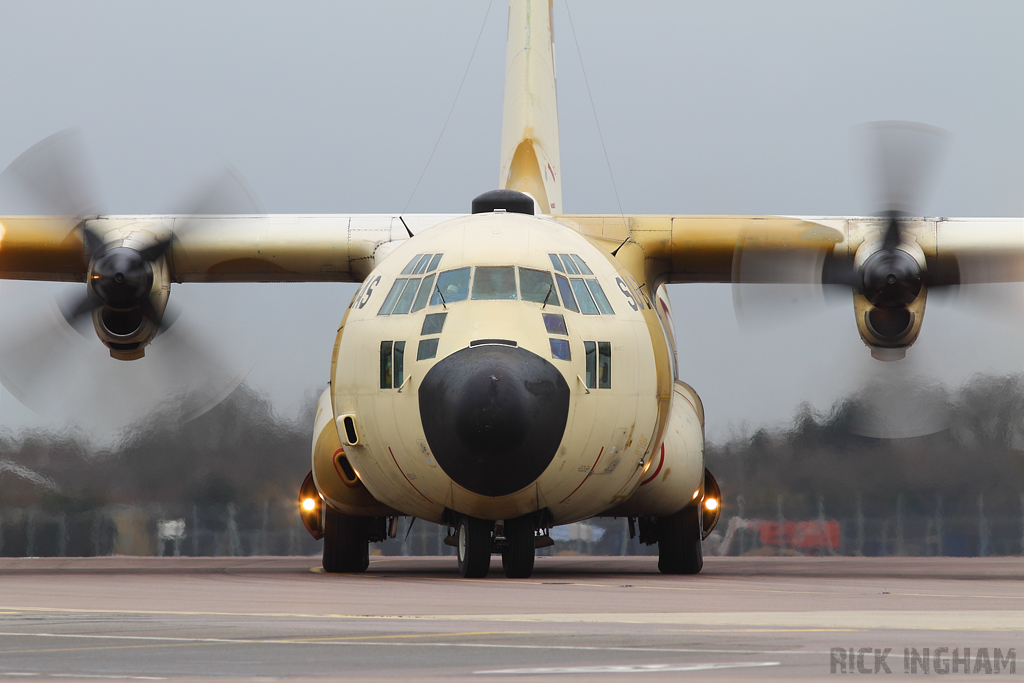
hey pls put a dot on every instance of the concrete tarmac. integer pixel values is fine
(576, 619)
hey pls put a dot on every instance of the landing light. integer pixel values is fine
(711, 504)
(308, 504)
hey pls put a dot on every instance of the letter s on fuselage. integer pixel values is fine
(497, 365)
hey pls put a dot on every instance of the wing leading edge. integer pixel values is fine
(274, 248)
(664, 249)
(658, 249)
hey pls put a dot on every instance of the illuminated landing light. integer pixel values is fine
(695, 494)
(711, 504)
(309, 504)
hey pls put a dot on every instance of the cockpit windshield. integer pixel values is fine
(452, 285)
(573, 286)
(494, 282)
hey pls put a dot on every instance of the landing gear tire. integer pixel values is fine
(346, 546)
(474, 545)
(518, 555)
(679, 549)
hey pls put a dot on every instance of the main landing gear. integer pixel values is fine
(346, 542)
(679, 537)
(476, 541)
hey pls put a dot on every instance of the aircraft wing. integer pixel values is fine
(658, 249)
(272, 248)
(661, 249)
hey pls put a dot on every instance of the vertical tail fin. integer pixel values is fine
(530, 160)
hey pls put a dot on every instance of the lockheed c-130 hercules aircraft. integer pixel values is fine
(512, 369)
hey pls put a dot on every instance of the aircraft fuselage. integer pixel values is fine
(499, 365)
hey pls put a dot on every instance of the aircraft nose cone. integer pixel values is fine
(494, 416)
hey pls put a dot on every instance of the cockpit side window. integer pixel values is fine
(399, 371)
(453, 285)
(392, 364)
(556, 262)
(602, 301)
(581, 265)
(422, 264)
(412, 264)
(566, 291)
(405, 301)
(426, 287)
(433, 323)
(554, 323)
(537, 285)
(590, 349)
(604, 365)
(392, 297)
(570, 267)
(586, 302)
(494, 282)
(385, 364)
(598, 364)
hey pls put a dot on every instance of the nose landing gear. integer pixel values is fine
(475, 541)
(519, 551)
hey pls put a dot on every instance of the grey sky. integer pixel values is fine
(721, 107)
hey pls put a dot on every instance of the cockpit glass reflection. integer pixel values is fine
(453, 285)
(537, 285)
(494, 282)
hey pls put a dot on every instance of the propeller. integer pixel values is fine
(52, 373)
(774, 286)
(891, 278)
(889, 272)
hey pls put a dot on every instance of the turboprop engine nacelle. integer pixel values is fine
(127, 331)
(128, 285)
(889, 276)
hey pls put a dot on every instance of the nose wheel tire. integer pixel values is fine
(518, 555)
(346, 546)
(474, 544)
(679, 549)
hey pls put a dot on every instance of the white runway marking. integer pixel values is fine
(628, 668)
(393, 643)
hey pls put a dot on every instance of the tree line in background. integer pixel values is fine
(979, 452)
(230, 477)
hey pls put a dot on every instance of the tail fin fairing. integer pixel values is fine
(530, 160)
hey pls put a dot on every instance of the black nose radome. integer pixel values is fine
(494, 417)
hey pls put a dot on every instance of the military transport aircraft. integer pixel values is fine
(512, 369)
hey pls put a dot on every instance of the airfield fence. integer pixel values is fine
(274, 529)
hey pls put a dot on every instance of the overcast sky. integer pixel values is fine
(724, 107)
